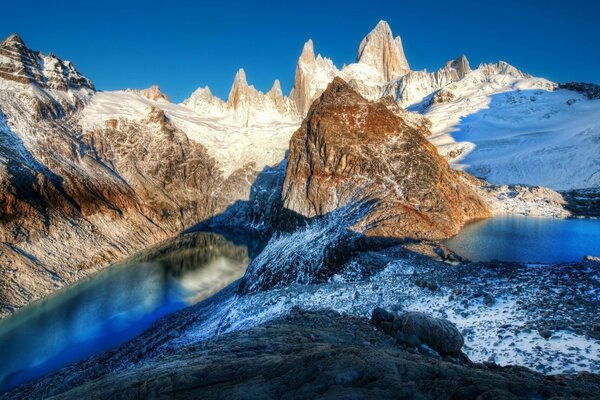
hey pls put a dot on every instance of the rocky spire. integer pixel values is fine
(275, 95)
(308, 53)
(239, 90)
(275, 91)
(384, 53)
(460, 65)
(306, 84)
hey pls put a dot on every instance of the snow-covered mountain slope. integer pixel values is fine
(232, 144)
(509, 128)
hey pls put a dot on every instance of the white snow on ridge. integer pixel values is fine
(231, 144)
(519, 130)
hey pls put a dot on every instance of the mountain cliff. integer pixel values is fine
(381, 51)
(348, 148)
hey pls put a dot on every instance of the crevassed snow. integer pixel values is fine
(231, 144)
(519, 130)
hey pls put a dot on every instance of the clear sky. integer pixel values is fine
(181, 45)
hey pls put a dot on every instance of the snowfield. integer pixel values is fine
(512, 130)
(229, 142)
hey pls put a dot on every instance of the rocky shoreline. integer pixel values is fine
(542, 318)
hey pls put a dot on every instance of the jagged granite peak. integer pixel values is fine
(275, 91)
(460, 65)
(20, 64)
(249, 105)
(239, 90)
(311, 78)
(349, 148)
(308, 53)
(381, 51)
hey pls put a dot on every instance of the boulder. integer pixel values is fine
(439, 334)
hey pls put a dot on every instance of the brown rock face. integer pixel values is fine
(349, 148)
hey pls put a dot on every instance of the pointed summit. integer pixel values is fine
(14, 39)
(460, 65)
(20, 64)
(312, 76)
(308, 53)
(240, 78)
(275, 91)
(381, 51)
(238, 89)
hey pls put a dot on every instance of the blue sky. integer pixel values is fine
(183, 45)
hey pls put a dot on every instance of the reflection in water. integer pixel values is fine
(117, 303)
(528, 239)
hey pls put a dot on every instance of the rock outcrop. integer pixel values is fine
(590, 90)
(153, 93)
(380, 50)
(349, 148)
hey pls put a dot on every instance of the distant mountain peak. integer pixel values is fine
(20, 64)
(381, 51)
(14, 38)
(275, 90)
(154, 93)
(461, 65)
(308, 53)
(240, 77)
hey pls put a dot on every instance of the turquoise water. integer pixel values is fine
(116, 304)
(528, 239)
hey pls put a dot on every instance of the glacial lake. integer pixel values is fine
(528, 239)
(119, 302)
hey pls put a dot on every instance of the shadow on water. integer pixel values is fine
(118, 303)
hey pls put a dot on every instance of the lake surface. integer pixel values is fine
(119, 302)
(528, 239)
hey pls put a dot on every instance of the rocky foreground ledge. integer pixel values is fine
(320, 355)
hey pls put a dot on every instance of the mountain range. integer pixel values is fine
(90, 176)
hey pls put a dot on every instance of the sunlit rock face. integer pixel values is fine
(20, 64)
(349, 149)
(380, 50)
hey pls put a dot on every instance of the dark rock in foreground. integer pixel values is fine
(439, 334)
(311, 355)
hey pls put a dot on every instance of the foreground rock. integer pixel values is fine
(349, 148)
(305, 355)
(439, 334)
